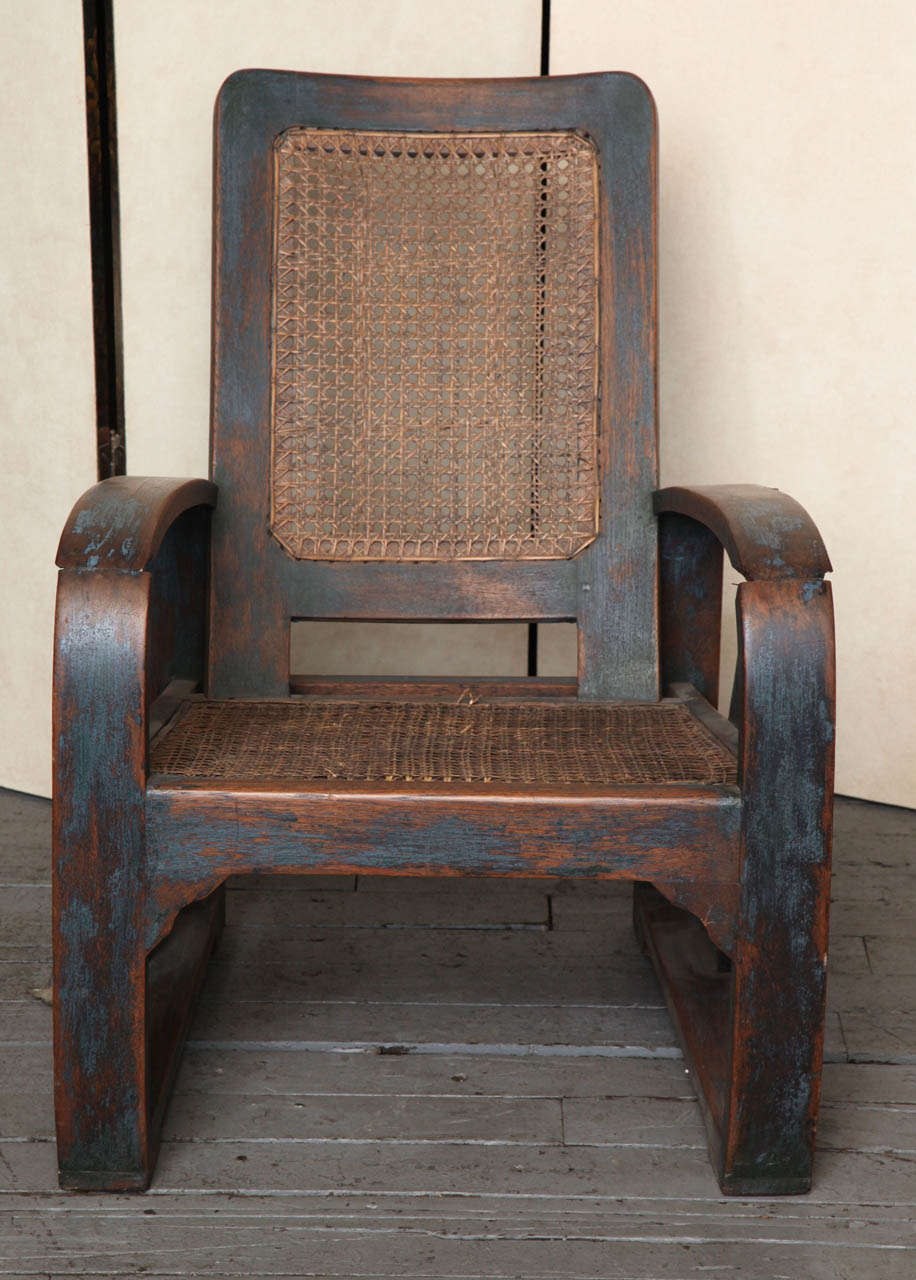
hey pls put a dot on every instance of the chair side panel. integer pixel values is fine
(257, 584)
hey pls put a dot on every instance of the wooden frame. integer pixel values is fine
(615, 610)
(732, 880)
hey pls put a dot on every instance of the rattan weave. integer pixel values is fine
(435, 322)
(528, 744)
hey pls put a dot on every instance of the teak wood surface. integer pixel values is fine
(732, 880)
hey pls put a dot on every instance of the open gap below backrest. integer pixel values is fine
(489, 651)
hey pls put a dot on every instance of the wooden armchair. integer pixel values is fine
(434, 397)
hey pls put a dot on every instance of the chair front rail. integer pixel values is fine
(684, 839)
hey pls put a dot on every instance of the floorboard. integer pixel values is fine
(463, 1079)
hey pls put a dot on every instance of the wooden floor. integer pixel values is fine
(463, 1078)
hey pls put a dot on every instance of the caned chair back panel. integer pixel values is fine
(434, 346)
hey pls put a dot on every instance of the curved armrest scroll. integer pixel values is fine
(120, 522)
(767, 534)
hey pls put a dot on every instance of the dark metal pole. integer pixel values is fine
(104, 235)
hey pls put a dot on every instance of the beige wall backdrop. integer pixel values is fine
(171, 58)
(788, 297)
(47, 409)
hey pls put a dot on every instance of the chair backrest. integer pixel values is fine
(434, 363)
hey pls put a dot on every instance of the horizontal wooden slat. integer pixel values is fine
(432, 689)
(455, 1169)
(519, 591)
(479, 966)
(19, 978)
(472, 906)
(201, 1117)
(416, 1240)
(397, 1235)
(683, 838)
(540, 1030)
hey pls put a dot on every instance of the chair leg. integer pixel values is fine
(774, 1087)
(752, 1045)
(752, 1031)
(786, 705)
(100, 891)
(120, 1028)
(100, 1072)
(119, 1020)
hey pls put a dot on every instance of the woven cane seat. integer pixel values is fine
(528, 744)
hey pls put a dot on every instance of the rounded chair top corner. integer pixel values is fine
(242, 86)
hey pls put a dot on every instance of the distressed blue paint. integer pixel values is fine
(117, 523)
(765, 532)
(204, 839)
(99, 868)
(105, 618)
(786, 769)
(112, 515)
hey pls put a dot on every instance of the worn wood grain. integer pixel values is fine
(25, 839)
(848, 957)
(886, 957)
(465, 903)
(865, 1108)
(849, 916)
(18, 978)
(690, 604)
(249, 1071)
(684, 839)
(444, 1168)
(438, 1244)
(197, 1117)
(434, 965)
(633, 1239)
(215, 1073)
(787, 748)
(120, 522)
(141, 863)
(25, 1022)
(382, 1023)
(99, 881)
(766, 534)
(884, 1031)
(26, 914)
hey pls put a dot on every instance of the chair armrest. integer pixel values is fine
(766, 534)
(120, 523)
(152, 532)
